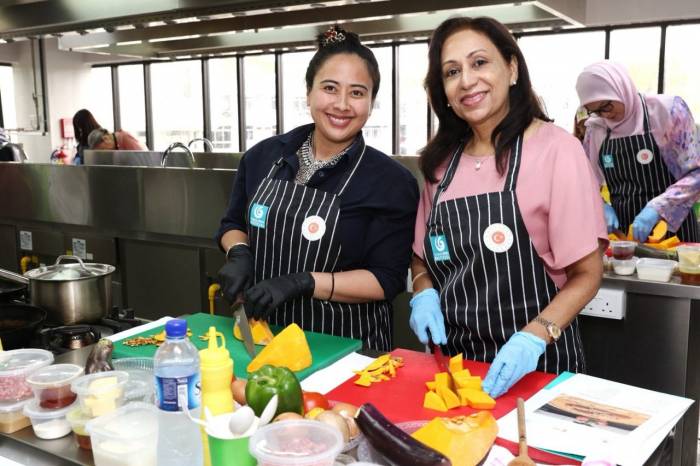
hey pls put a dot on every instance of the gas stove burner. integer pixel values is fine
(69, 337)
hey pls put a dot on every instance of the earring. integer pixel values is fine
(449, 105)
(513, 83)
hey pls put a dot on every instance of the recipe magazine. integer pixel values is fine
(588, 416)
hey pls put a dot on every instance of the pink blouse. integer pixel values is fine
(557, 194)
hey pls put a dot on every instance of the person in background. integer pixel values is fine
(580, 123)
(319, 226)
(509, 233)
(9, 151)
(645, 148)
(83, 124)
(102, 139)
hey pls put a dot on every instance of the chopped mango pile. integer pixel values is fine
(654, 240)
(379, 370)
(456, 388)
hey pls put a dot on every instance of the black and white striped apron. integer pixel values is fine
(489, 276)
(635, 174)
(292, 228)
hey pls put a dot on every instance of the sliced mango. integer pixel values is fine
(288, 348)
(378, 369)
(448, 396)
(658, 232)
(262, 335)
(455, 364)
(433, 401)
(444, 379)
(430, 385)
(630, 233)
(475, 398)
(467, 381)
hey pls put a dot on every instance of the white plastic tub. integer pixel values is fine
(48, 424)
(658, 270)
(624, 267)
(15, 367)
(100, 393)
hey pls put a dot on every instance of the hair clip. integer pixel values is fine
(332, 36)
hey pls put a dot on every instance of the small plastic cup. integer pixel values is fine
(15, 367)
(51, 385)
(125, 437)
(624, 267)
(623, 250)
(100, 393)
(48, 424)
(77, 420)
(689, 263)
(659, 270)
(296, 442)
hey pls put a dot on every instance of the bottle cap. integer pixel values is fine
(214, 355)
(176, 328)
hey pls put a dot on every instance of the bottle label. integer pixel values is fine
(173, 392)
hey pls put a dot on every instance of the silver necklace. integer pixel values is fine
(308, 165)
(479, 161)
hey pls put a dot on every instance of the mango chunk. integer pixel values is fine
(448, 396)
(430, 385)
(475, 398)
(467, 381)
(444, 379)
(455, 364)
(658, 232)
(433, 401)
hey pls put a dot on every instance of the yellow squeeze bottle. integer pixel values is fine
(216, 368)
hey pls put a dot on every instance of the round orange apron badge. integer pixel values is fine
(313, 228)
(498, 237)
(645, 156)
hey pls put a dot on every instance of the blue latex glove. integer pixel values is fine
(516, 358)
(426, 315)
(643, 223)
(610, 217)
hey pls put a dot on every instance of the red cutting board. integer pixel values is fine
(401, 399)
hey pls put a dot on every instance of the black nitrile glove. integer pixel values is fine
(265, 296)
(236, 275)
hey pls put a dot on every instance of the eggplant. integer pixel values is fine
(396, 446)
(646, 251)
(100, 357)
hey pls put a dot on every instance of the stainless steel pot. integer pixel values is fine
(70, 293)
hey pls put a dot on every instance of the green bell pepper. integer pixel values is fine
(269, 380)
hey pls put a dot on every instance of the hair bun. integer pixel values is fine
(334, 35)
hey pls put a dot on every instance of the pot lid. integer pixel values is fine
(69, 272)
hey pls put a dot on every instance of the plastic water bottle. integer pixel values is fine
(177, 380)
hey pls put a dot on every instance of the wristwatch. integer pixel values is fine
(553, 329)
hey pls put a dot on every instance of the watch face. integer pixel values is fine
(554, 331)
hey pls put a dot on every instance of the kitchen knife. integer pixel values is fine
(244, 327)
(440, 359)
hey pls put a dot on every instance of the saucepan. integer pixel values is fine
(71, 293)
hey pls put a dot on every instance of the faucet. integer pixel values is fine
(170, 148)
(208, 146)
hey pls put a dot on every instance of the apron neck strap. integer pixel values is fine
(449, 174)
(516, 153)
(275, 168)
(646, 113)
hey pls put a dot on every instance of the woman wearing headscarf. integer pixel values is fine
(645, 148)
(319, 226)
(507, 239)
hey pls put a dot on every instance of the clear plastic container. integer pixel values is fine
(48, 424)
(623, 249)
(125, 437)
(659, 270)
(140, 386)
(77, 419)
(15, 366)
(12, 416)
(297, 442)
(689, 263)
(101, 393)
(51, 385)
(624, 267)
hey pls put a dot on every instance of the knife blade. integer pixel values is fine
(440, 358)
(244, 327)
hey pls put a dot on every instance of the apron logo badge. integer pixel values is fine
(258, 215)
(498, 237)
(313, 228)
(608, 161)
(438, 244)
(645, 156)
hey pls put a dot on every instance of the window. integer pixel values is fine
(682, 70)
(296, 112)
(554, 68)
(177, 102)
(7, 94)
(413, 101)
(223, 93)
(638, 49)
(377, 130)
(260, 98)
(132, 104)
(100, 99)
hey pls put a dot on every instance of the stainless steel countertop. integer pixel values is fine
(631, 284)
(25, 448)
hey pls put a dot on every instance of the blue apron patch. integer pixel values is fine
(438, 244)
(608, 161)
(258, 215)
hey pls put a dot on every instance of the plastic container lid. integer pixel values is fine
(34, 411)
(23, 361)
(271, 444)
(661, 264)
(13, 406)
(57, 375)
(134, 421)
(176, 328)
(81, 385)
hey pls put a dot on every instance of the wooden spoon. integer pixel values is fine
(522, 459)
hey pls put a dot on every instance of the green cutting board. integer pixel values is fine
(325, 349)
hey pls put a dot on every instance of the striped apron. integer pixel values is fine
(635, 174)
(489, 276)
(292, 228)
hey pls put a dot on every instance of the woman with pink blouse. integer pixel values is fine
(645, 148)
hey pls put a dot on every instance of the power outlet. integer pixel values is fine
(609, 303)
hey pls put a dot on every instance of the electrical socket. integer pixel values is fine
(608, 303)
